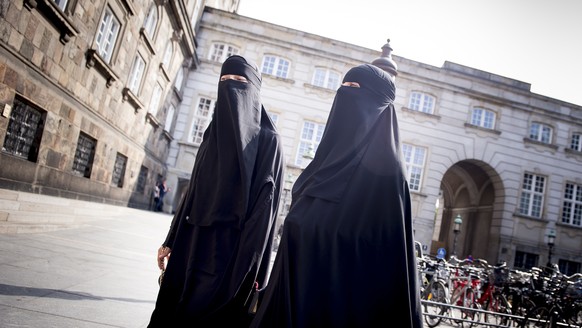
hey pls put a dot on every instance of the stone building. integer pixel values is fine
(88, 92)
(479, 147)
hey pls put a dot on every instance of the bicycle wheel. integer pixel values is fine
(436, 292)
(537, 318)
(497, 310)
(471, 316)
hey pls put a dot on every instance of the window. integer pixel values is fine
(62, 4)
(136, 74)
(119, 170)
(274, 117)
(572, 206)
(326, 78)
(151, 21)
(568, 267)
(179, 79)
(532, 195)
(155, 100)
(169, 118)
(483, 117)
(220, 51)
(168, 55)
(421, 102)
(84, 155)
(201, 120)
(525, 260)
(414, 158)
(541, 132)
(576, 142)
(310, 138)
(107, 35)
(275, 66)
(142, 179)
(24, 131)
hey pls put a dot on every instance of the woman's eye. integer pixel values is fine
(233, 77)
(351, 84)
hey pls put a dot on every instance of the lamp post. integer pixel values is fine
(551, 241)
(456, 229)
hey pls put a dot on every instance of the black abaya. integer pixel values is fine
(346, 256)
(222, 233)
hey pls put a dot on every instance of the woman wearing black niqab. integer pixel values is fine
(220, 238)
(346, 256)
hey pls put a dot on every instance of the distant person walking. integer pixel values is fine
(162, 190)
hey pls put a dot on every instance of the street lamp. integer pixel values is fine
(456, 229)
(551, 240)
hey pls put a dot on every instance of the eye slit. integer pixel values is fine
(233, 77)
(351, 84)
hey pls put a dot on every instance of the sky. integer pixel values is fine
(533, 41)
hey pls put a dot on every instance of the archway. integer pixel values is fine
(473, 190)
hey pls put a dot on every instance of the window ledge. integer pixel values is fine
(573, 151)
(130, 97)
(167, 135)
(282, 79)
(519, 215)
(164, 72)
(539, 143)
(93, 58)
(178, 93)
(151, 119)
(417, 112)
(54, 14)
(480, 128)
(147, 41)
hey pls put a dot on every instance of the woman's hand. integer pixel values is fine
(163, 253)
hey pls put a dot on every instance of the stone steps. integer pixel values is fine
(22, 212)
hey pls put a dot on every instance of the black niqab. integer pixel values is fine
(346, 256)
(222, 233)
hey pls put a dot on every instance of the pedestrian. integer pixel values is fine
(219, 244)
(162, 190)
(346, 256)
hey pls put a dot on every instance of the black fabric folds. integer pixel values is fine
(222, 233)
(346, 256)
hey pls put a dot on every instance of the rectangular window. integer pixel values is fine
(107, 35)
(142, 178)
(169, 118)
(310, 138)
(155, 100)
(84, 155)
(275, 66)
(568, 267)
(525, 260)
(572, 205)
(541, 132)
(201, 120)
(151, 21)
(414, 158)
(24, 130)
(119, 170)
(136, 74)
(326, 78)
(532, 195)
(62, 4)
(220, 51)
(421, 102)
(483, 118)
(576, 142)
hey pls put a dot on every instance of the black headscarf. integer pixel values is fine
(222, 233)
(346, 256)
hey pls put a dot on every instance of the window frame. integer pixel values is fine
(150, 22)
(102, 50)
(136, 74)
(413, 166)
(530, 197)
(576, 141)
(311, 134)
(537, 132)
(480, 116)
(326, 78)
(280, 66)
(196, 134)
(572, 205)
(423, 104)
(220, 55)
